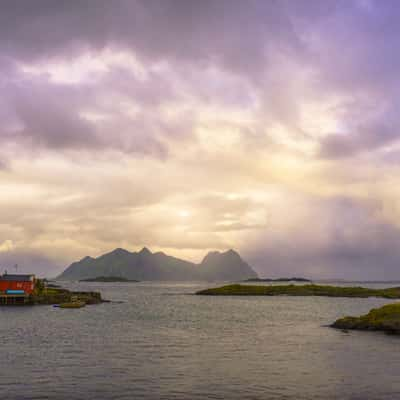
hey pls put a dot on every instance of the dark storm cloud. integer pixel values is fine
(232, 31)
(50, 118)
(355, 51)
(356, 45)
(45, 28)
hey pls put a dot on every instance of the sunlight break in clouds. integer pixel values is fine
(7, 245)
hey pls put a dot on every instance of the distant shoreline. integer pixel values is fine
(108, 279)
(294, 279)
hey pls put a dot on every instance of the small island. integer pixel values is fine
(108, 279)
(294, 279)
(301, 290)
(386, 319)
(51, 296)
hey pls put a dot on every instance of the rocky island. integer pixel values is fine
(301, 290)
(52, 296)
(145, 265)
(386, 319)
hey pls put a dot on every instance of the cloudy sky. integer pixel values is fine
(271, 127)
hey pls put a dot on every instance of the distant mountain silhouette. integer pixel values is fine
(147, 266)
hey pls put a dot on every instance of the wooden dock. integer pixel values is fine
(15, 300)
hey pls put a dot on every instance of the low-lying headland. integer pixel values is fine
(386, 319)
(301, 290)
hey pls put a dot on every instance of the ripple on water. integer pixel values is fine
(163, 344)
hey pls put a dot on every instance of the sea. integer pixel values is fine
(160, 341)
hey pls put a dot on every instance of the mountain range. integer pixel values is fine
(147, 266)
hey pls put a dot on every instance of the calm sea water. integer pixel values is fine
(164, 343)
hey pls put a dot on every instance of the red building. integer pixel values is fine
(17, 284)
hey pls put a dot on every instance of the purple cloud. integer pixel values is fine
(203, 99)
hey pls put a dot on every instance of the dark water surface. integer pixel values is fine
(163, 343)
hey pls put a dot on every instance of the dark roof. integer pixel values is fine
(14, 277)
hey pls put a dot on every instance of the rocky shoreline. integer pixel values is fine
(386, 319)
(52, 296)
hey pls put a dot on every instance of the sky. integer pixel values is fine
(270, 127)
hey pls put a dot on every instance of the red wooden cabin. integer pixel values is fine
(25, 283)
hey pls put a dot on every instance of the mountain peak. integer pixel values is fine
(210, 256)
(231, 253)
(213, 253)
(145, 250)
(218, 254)
(225, 266)
(119, 251)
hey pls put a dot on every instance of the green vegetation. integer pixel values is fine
(39, 285)
(58, 296)
(386, 318)
(108, 279)
(301, 290)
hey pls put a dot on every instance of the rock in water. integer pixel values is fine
(386, 318)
